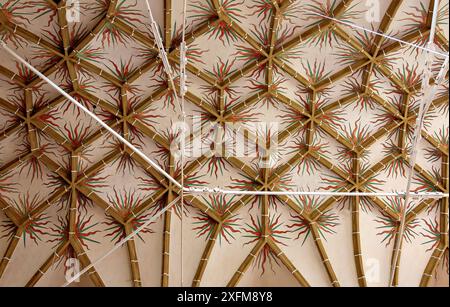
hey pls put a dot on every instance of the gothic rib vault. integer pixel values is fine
(345, 102)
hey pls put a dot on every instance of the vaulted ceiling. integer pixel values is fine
(342, 104)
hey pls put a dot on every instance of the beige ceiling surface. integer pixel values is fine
(341, 103)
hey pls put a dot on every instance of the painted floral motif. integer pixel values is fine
(221, 30)
(126, 11)
(300, 226)
(229, 228)
(315, 9)
(84, 231)
(5, 183)
(418, 18)
(389, 227)
(36, 227)
(125, 203)
(308, 164)
(441, 137)
(254, 232)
